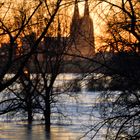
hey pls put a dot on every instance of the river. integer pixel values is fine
(79, 114)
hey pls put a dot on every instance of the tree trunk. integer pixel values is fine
(29, 105)
(29, 113)
(47, 114)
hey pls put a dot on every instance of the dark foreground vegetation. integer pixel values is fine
(35, 34)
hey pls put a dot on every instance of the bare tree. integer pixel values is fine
(39, 60)
(15, 33)
(21, 47)
(119, 109)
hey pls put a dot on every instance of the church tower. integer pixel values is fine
(81, 32)
(75, 22)
(86, 9)
(87, 32)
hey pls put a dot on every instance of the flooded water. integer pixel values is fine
(79, 114)
(15, 131)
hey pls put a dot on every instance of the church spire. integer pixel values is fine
(75, 19)
(76, 14)
(86, 11)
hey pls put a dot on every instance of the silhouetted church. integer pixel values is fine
(81, 38)
(82, 32)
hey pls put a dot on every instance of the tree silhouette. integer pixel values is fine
(119, 107)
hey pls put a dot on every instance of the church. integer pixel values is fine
(82, 32)
(80, 42)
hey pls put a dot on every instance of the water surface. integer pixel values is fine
(79, 111)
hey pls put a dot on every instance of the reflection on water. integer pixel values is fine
(12, 131)
(80, 114)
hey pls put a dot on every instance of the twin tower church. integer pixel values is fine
(82, 32)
